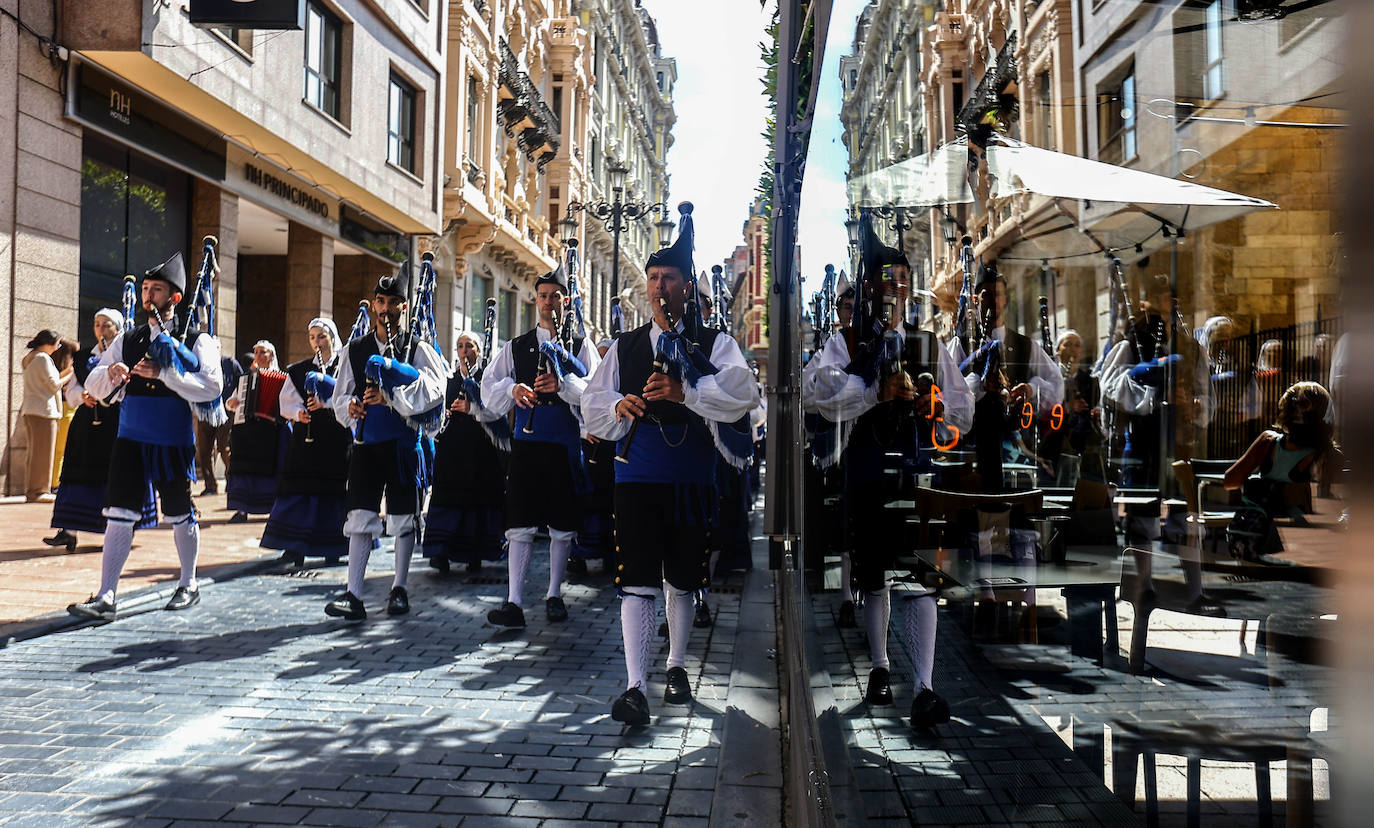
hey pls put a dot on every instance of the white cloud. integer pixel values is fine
(718, 149)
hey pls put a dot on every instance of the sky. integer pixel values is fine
(718, 149)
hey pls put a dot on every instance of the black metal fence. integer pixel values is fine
(1250, 372)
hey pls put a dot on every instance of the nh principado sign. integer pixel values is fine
(248, 14)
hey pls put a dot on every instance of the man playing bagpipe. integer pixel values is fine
(172, 381)
(308, 514)
(542, 373)
(667, 391)
(864, 383)
(1004, 372)
(388, 382)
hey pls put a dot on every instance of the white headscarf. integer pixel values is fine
(476, 341)
(330, 328)
(114, 316)
(273, 348)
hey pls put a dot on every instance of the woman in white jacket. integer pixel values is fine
(41, 410)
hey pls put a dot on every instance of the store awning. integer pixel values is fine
(931, 180)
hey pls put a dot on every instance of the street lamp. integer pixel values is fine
(616, 216)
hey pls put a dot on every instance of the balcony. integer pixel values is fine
(986, 97)
(525, 115)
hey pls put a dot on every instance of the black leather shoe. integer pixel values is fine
(577, 567)
(440, 565)
(556, 609)
(879, 687)
(679, 689)
(398, 602)
(928, 709)
(183, 598)
(509, 615)
(96, 609)
(631, 708)
(702, 619)
(474, 567)
(347, 606)
(847, 620)
(1205, 605)
(62, 538)
(238, 517)
(208, 491)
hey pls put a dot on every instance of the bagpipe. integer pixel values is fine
(824, 310)
(362, 326)
(663, 364)
(129, 298)
(720, 299)
(965, 293)
(320, 385)
(202, 315)
(617, 319)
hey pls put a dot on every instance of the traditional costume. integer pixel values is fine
(545, 481)
(86, 463)
(156, 440)
(308, 513)
(849, 376)
(257, 440)
(388, 459)
(665, 492)
(466, 517)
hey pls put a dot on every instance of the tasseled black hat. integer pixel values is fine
(844, 288)
(172, 271)
(553, 277)
(875, 254)
(679, 253)
(397, 285)
(987, 274)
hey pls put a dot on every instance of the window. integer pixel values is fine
(1045, 114)
(660, 81)
(400, 125)
(1213, 78)
(1116, 120)
(323, 60)
(473, 117)
(479, 293)
(242, 38)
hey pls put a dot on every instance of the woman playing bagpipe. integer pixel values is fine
(541, 373)
(90, 438)
(389, 390)
(258, 438)
(466, 516)
(308, 512)
(666, 392)
(866, 379)
(167, 382)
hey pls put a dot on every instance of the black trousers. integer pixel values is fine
(128, 481)
(374, 471)
(651, 546)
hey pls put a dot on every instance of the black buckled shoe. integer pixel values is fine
(62, 538)
(702, 619)
(928, 709)
(238, 517)
(879, 687)
(508, 615)
(556, 610)
(847, 620)
(679, 689)
(95, 609)
(183, 598)
(631, 708)
(398, 602)
(347, 606)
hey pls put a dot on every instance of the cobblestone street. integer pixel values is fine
(255, 708)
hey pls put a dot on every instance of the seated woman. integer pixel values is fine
(1301, 437)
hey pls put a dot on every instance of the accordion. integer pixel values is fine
(262, 395)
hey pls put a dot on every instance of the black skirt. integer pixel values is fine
(320, 466)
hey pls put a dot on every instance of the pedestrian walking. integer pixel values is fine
(40, 412)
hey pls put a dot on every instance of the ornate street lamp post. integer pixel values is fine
(616, 216)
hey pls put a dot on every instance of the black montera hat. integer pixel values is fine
(876, 255)
(397, 285)
(553, 277)
(172, 271)
(987, 274)
(679, 253)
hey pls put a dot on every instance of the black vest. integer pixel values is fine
(524, 353)
(1017, 362)
(135, 348)
(636, 358)
(297, 371)
(365, 346)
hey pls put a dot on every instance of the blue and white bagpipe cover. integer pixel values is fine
(734, 441)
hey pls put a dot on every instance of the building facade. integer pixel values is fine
(312, 154)
(546, 98)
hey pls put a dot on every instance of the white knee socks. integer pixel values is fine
(637, 630)
(186, 535)
(119, 538)
(359, 550)
(679, 607)
(518, 563)
(918, 634)
(877, 609)
(405, 549)
(559, 548)
(846, 576)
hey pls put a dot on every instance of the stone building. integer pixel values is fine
(547, 99)
(129, 132)
(751, 294)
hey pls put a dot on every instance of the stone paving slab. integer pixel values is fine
(256, 708)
